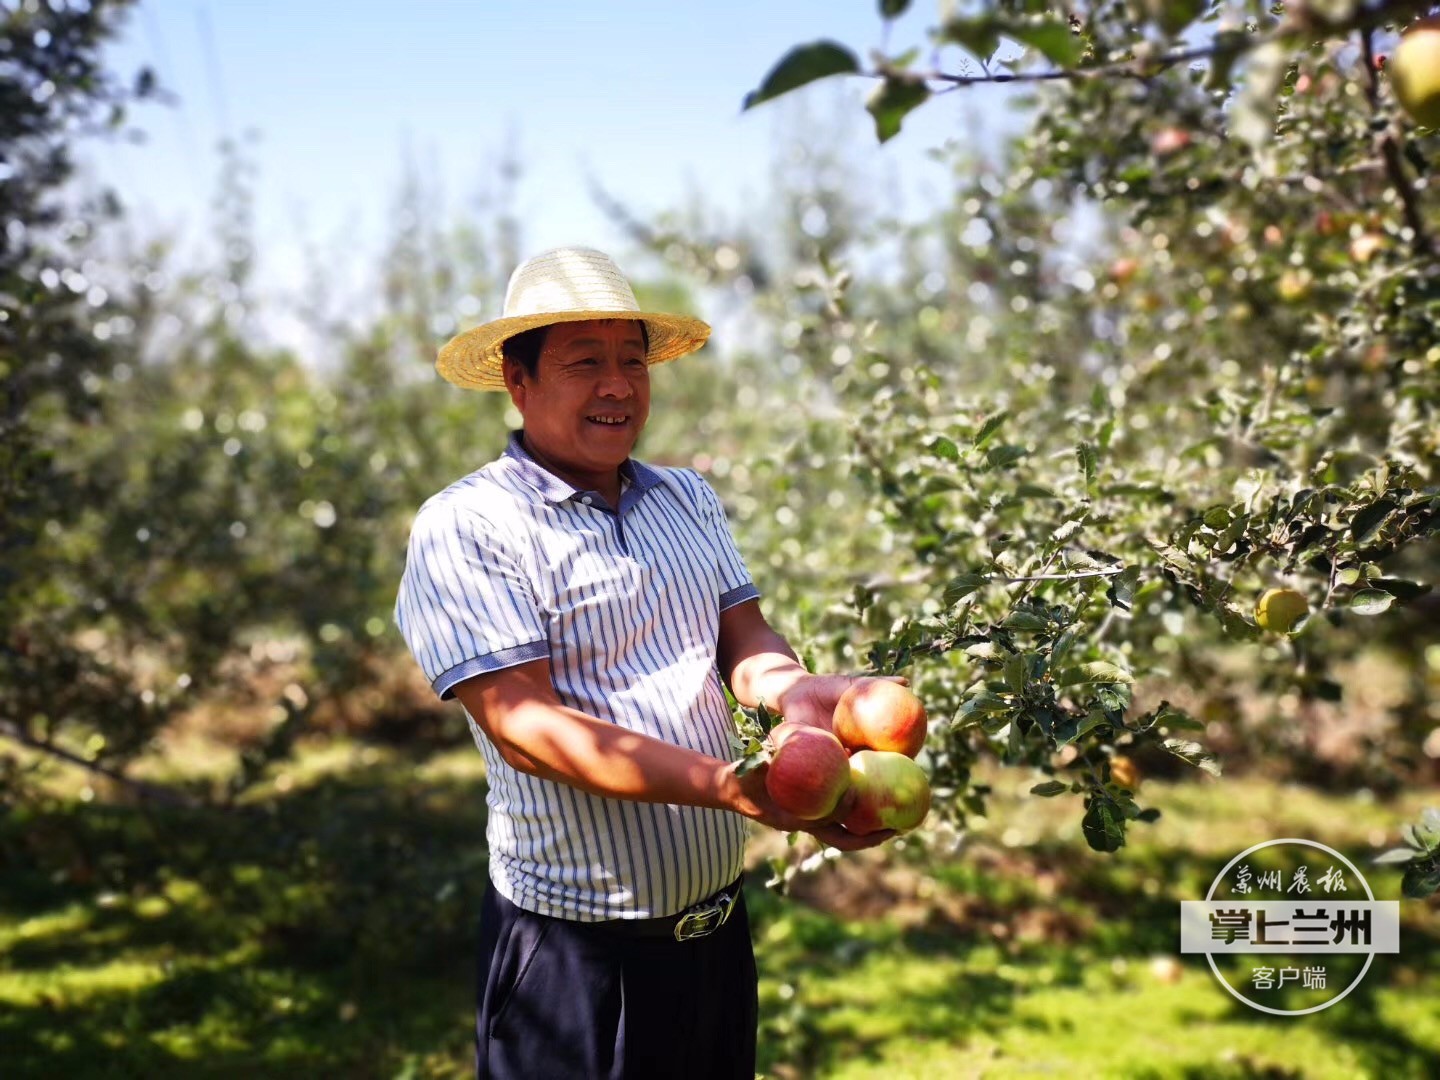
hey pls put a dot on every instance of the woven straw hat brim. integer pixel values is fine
(474, 360)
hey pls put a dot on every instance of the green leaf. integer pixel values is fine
(905, 59)
(980, 35)
(1402, 590)
(1002, 456)
(1066, 531)
(1421, 880)
(1072, 727)
(1171, 717)
(1017, 670)
(762, 714)
(1368, 520)
(945, 448)
(750, 763)
(989, 427)
(1230, 46)
(1097, 671)
(1370, 602)
(1104, 826)
(1025, 620)
(1395, 856)
(1151, 813)
(961, 586)
(1051, 38)
(984, 702)
(892, 100)
(1034, 491)
(803, 64)
(1062, 647)
(893, 9)
(1122, 587)
(1049, 789)
(1173, 16)
(1089, 459)
(1194, 754)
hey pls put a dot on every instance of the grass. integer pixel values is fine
(327, 928)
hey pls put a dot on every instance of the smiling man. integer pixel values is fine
(584, 608)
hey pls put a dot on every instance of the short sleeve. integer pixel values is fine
(465, 605)
(736, 585)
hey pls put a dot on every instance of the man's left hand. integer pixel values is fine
(811, 699)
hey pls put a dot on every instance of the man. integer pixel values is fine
(584, 608)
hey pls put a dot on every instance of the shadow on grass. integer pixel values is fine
(330, 929)
(1130, 906)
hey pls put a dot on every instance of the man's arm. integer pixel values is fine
(759, 665)
(518, 710)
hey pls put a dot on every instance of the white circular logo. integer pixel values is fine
(1306, 912)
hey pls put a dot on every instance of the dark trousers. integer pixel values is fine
(561, 999)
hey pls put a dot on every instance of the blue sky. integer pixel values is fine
(643, 95)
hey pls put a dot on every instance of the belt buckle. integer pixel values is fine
(706, 919)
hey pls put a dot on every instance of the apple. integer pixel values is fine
(890, 792)
(783, 730)
(1294, 285)
(1170, 140)
(808, 772)
(1123, 269)
(1125, 772)
(1414, 72)
(1280, 610)
(877, 715)
(1364, 246)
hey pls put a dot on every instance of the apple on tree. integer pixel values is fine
(1414, 72)
(1281, 610)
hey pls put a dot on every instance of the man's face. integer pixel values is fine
(590, 399)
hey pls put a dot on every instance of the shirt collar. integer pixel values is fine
(554, 490)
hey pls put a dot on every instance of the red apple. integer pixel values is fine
(808, 770)
(877, 715)
(783, 730)
(891, 792)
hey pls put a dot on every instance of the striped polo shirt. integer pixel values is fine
(511, 564)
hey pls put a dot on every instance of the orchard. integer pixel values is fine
(1112, 467)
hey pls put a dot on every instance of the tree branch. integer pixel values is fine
(150, 791)
(1302, 23)
(1389, 146)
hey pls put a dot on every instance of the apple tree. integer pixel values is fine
(1085, 465)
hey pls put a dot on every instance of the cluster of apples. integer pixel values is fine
(877, 729)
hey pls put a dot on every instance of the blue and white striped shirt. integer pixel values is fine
(512, 564)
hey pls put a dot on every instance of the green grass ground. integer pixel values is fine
(327, 928)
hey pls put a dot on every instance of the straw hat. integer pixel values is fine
(569, 284)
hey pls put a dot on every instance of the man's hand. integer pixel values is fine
(753, 801)
(811, 699)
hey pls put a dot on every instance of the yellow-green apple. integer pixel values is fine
(809, 771)
(1280, 610)
(890, 792)
(1414, 72)
(877, 715)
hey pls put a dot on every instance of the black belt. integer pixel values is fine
(696, 921)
